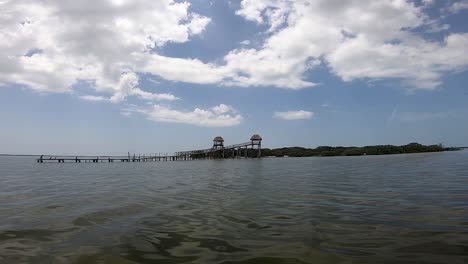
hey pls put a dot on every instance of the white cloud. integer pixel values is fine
(293, 115)
(420, 65)
(268, 11)
(127, 86)
(356, 39)
(428, 3)
(250, 67)
(99, 41)
(435, 26)
(94, 98)
(218, 116)
(50, 45)
(154, 96)
(458, 6)
(184, 70)
(223, 109)
(198, 24)
(135, 91)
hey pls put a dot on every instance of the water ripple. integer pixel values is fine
(380, 209)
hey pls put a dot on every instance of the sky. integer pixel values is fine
(158, 76)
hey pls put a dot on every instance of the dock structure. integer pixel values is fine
(250, 149)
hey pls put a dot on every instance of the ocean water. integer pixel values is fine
(372, 209)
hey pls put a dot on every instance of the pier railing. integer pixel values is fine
(96, 159)
(203, 151)
(230, 151)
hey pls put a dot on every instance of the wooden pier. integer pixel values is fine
(250, 149)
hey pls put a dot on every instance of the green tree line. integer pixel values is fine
(353, 151)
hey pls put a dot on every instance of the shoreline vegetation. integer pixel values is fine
(328, 151)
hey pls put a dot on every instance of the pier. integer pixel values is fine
(248, 149)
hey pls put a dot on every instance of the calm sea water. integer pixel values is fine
(374, 209)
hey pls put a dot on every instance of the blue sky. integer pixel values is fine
(163, 76)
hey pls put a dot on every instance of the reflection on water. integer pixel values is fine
(382, 209)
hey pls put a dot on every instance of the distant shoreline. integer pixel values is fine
(381, 155)
(326, 151)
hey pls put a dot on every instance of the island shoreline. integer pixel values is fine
(339, 151)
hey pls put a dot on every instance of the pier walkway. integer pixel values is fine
(250, 149)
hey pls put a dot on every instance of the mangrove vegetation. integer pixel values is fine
(326, 151)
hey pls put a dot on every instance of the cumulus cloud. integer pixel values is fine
(218, 116)
(51, 45)
(135, 91)
(420, 65)
(94, 98)
(127, 86)
(250, 67)
(154, 96)
(356, 39)
(198, 24)
(428, 3)
(184, 70)
(293, 115)
(458, 6)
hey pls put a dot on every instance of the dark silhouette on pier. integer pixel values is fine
(249, 149)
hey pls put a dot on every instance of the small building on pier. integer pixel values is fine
(257, 141)
(218, 142)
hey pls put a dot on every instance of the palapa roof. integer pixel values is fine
(218, 139)
(256, 137)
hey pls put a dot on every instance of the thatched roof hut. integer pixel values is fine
(256, 137)
(218, 139)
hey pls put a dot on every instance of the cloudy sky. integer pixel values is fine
(112, 76)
